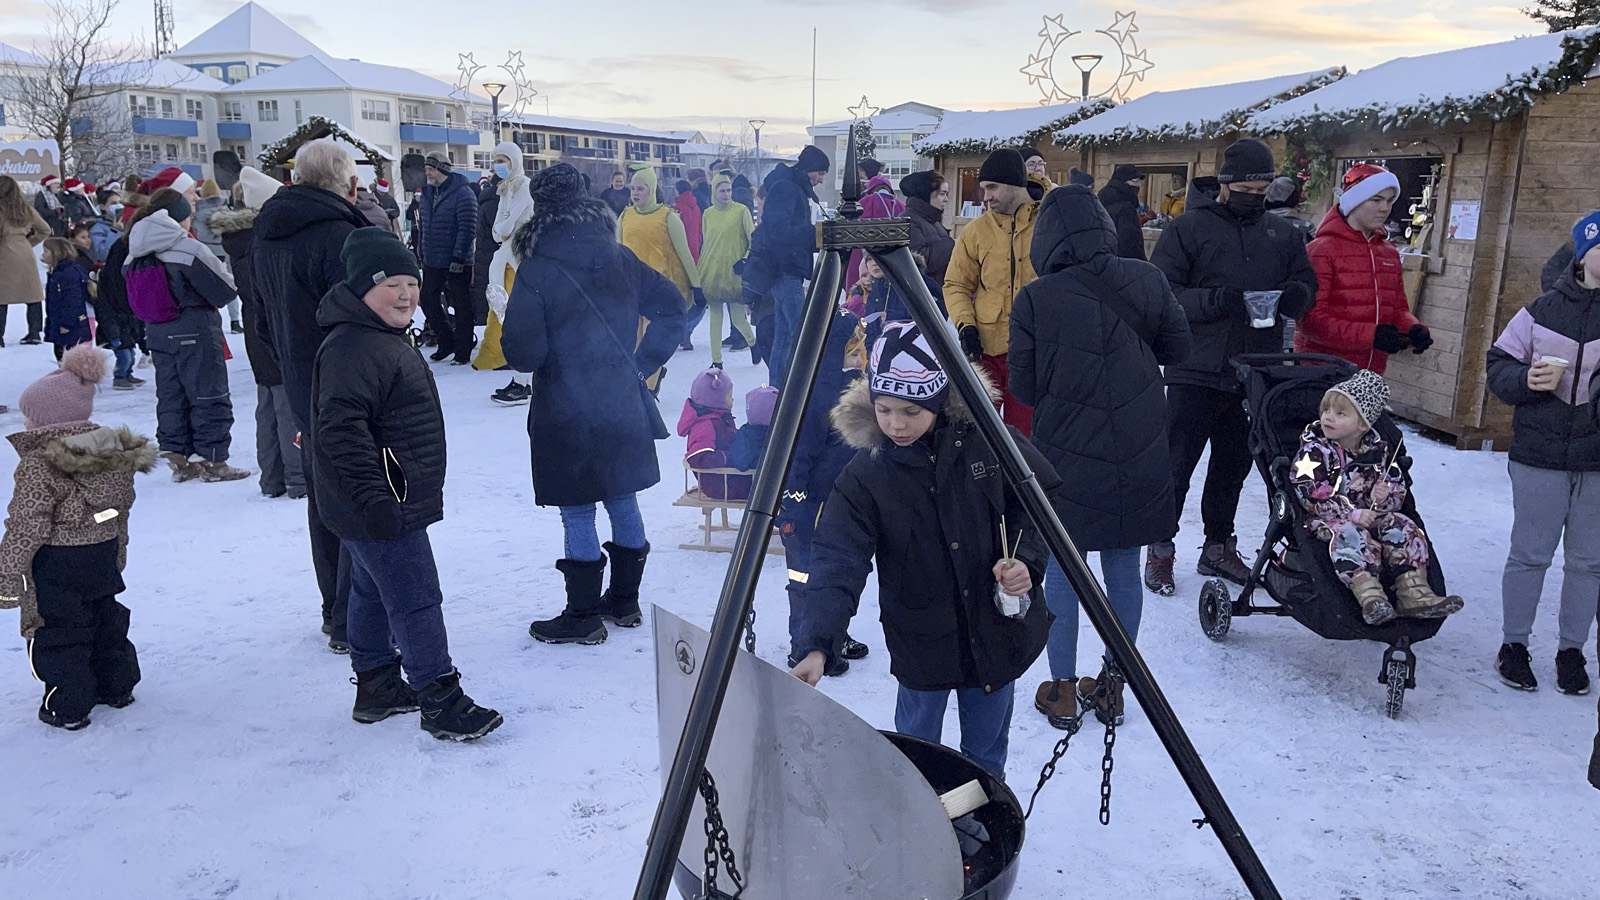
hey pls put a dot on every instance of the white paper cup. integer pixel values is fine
(1557, 363)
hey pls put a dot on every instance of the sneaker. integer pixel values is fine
(1058, 700)
(853, 649)
(1108, 708)
(122, 384)
(339, 646)
(136, 380)
(441, 354)
(31, 340)
(214, 470)
(1571, 678)
(381, 693)
(1158, 560)
(1222, 560)
(450, 715)
(739, 343)
(237, 327)
(1514, 669)
(183, 468)
(513, 394)
(834, 669)
(716, 365)
(55, 720)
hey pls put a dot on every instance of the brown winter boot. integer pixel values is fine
(1108, 707)
(1222, 560)
(1059, 702)
(212, 471)
(1375, 607)
(1417, 599)
(183, 468)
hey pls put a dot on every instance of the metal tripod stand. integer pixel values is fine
(887, 240)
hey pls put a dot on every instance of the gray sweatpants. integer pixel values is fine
(276, 453)
(1551, 507)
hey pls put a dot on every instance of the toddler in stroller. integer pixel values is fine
(1346, 477)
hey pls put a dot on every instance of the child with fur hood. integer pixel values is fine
(1345, 475)
(707, 421)
(66, 542)
(925, 498)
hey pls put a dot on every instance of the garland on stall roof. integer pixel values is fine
(1231, 122)
(279, 152)
(1310, 161)
(980, 146)
(1579, 53)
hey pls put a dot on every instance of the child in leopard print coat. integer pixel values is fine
(66, 542)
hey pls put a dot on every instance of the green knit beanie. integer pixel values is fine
(373, 255)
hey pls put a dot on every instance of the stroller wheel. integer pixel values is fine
(1395, 673)
(1216, 609)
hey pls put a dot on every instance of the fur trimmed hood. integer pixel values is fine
(853, 417)
(581, 211)
(229, 221)
(84, 448)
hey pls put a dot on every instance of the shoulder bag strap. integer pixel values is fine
(621, 347)
(1113, 299)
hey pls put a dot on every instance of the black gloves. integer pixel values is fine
(1295, 299)
(456, 268)
(971, 342)
(384, 521)
(1231, 301)
(1420, 338)
(1388, 339)
(699, 298)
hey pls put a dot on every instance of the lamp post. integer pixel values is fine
(756, 124)
(1086, 63)
(494, 88)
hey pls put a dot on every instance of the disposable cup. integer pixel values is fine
(1557, 363)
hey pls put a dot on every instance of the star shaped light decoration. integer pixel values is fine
(1124, 71)
(525, 91)
(468, 68)
(863, 110)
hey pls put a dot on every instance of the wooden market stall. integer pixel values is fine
(1179, 133)
(964, 139)
(1495, 149)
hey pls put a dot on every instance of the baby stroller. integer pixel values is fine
(1282, 394)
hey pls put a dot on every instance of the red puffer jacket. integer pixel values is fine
(1358, 289)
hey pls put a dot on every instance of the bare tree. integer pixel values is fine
(75, 95)
(740, 153)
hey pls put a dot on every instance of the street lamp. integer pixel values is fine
(756, 124)
(494, 88)
(1086, 63)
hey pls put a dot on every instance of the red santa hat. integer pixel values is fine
(1363, 182)
(381, 186)
(48, 180)
(170, 177)
(74, 185)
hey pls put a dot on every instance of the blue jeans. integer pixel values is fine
(124, 367)
(394, 590)
(1124, 588)
(788, 302)
(985, 721)
(583, 541)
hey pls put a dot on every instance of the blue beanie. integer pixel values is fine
(1585, 235)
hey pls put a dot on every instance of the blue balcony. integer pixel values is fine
(233, 131)
(166, 127)
(437, 134)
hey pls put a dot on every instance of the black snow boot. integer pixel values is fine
(380, 693)
(580, 622)
(450, 715)
(620, 605)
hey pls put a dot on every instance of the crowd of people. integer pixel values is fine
(1112, 371)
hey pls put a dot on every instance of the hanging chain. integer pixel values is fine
(1049, 769)
(750, 629)
(1113, 680)
(718, 852)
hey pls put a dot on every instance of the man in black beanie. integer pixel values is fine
(1120, 197)
(926, 196)
(987, 267)
(1214, 254)
(781, 248)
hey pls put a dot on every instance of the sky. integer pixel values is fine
(640, 62)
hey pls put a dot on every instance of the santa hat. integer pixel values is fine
(1363, 182)
(381, 186)
(114, 186)
(1367, 391)
(170, 177)
(67, 394)
(903, 367)
(73, 184)
(48, 180)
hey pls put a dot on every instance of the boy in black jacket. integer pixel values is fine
(378, 457)
(926, 497)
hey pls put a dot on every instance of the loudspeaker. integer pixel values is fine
(412, 176)
(225, 166)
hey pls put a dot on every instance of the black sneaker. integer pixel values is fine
(237, 327)
(381, 693)
(338, 645)
(853, 649)
(55, 720)
(32, 340)
(441, 354)
(1222, 560)
(1513, 666)
(450, 715)
(1570, 675)
(738, 343)
(513, 394)
(834, 669)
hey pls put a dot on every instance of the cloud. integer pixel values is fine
(1241, 25)
(943, 7)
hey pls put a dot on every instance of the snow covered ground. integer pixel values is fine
(240, 774)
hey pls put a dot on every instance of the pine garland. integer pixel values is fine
(980, 146)
(279, 152)
(1579, 53)
(1230, 122)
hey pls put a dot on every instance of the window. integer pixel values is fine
(455, 158)
(416, 150)
(197, 152)
(898, 140)
(266, 110)
(529, 141)
(233, 110)
(147, 153)
(195, 110)
(482, 160)
(238, 73)
(375, 110)
(410, 112)
(213, 72)
(558, 142)
(531, 166)
(242, 151)
(166, 109)
(605, 148)
(172, 152)
(898, 169)
(299, 117)
(264, 68)
(666, 152)
(142, 108)
(638, 151)
(2, 114)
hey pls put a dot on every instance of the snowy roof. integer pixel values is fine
(690, 149)
(161, 74)
(17, 55)
(557, 123)
(321, 72)
(882, 123)
(688, 137)
(981, 131)
(1193, 113)
(1455, 84)
(249, 29)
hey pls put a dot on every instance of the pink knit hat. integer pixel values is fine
(67, 394)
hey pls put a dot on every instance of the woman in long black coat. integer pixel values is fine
(1087, 340)
(572, 321)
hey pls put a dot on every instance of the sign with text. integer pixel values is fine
(30, 160)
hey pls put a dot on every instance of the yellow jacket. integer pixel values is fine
(987, 268)
(1173, 203)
